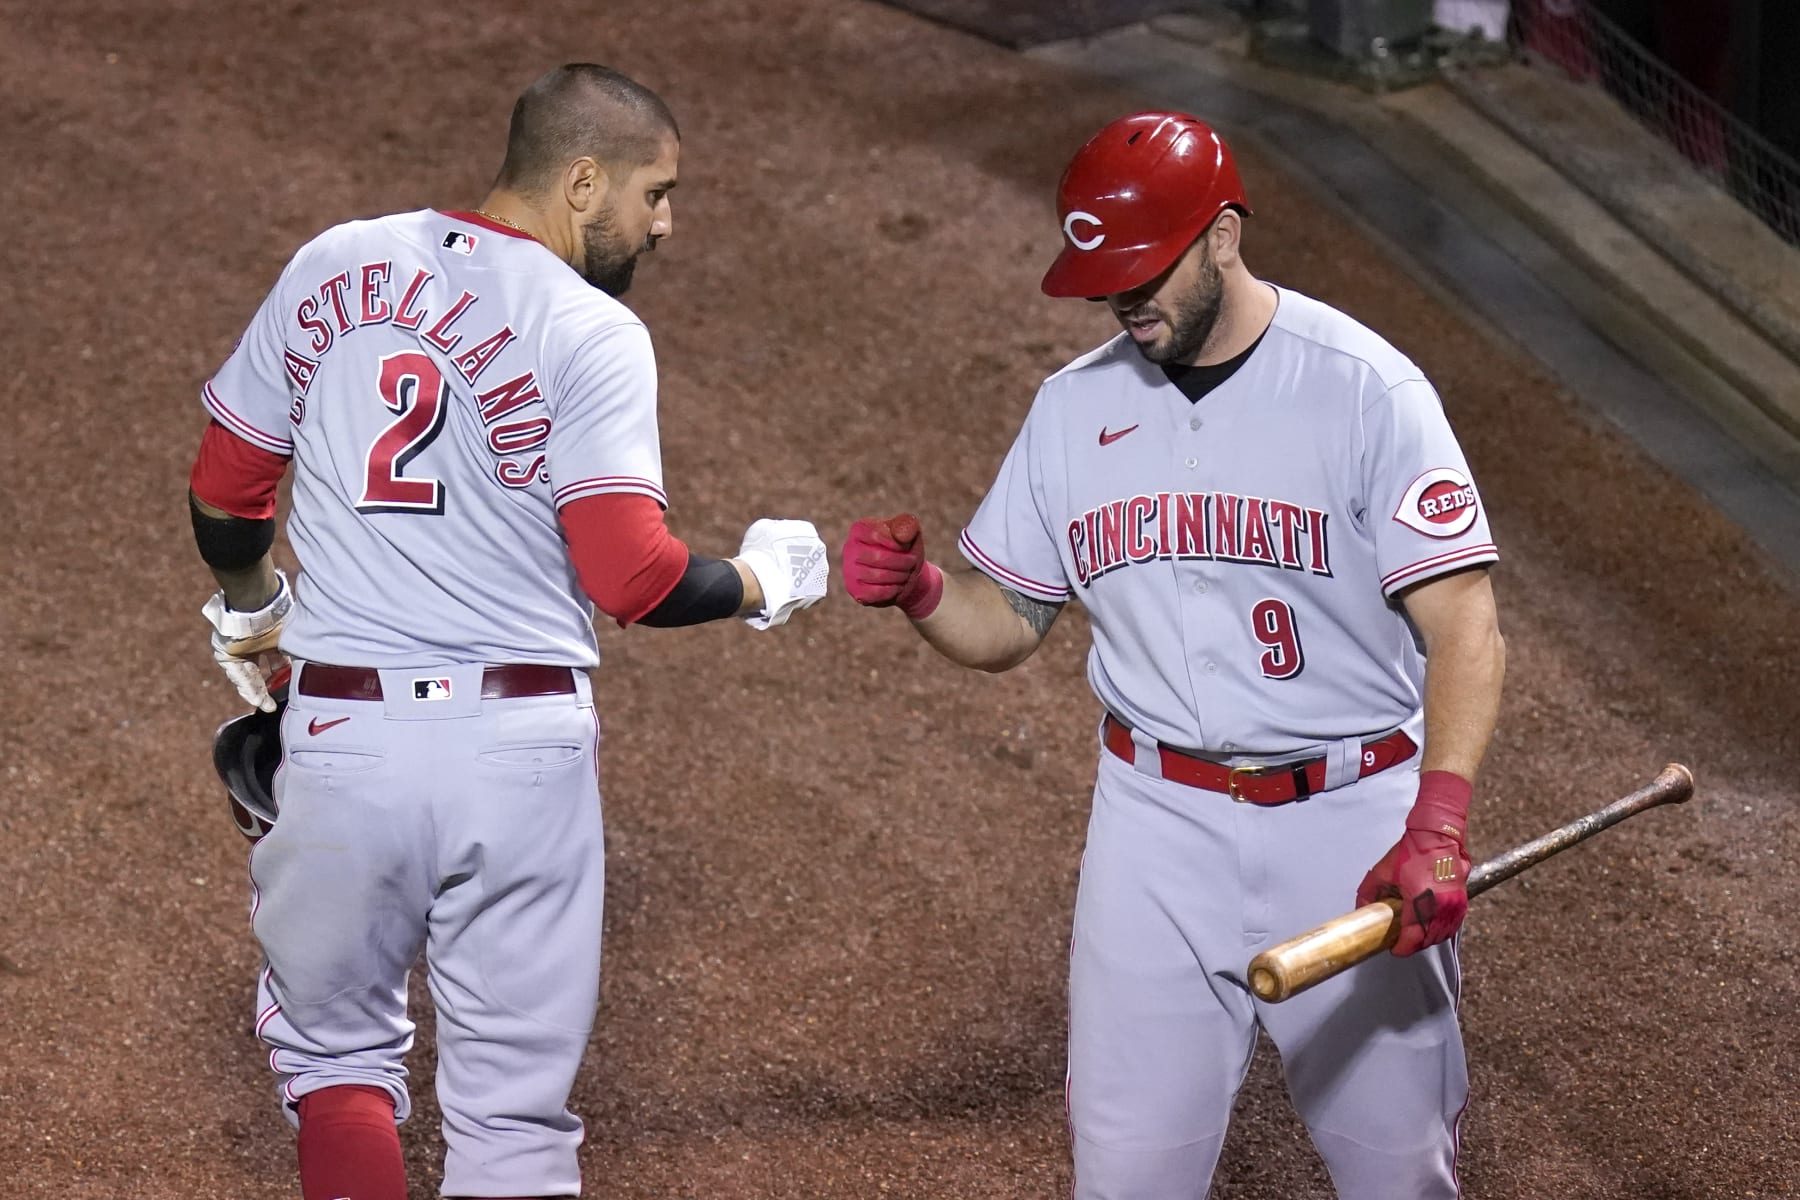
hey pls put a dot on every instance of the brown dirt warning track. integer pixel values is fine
(840, 870)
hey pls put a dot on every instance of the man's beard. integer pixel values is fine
(1192, 318)
(607, 263)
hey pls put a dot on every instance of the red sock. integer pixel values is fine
(349, 1148)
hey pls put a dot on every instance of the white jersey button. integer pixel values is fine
(1192, 462)
(1200, 587)
(1212, 668)
(1193, 422)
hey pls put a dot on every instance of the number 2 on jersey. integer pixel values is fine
(412, 386)
(1273, 623)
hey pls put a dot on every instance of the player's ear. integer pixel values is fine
(1226, 234)
(584, 185)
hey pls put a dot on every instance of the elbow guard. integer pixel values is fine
(230, 543)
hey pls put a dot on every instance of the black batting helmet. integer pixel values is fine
(246, 751)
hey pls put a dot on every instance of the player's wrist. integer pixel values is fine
(1442, 805)
(922, 593)
(753, 601)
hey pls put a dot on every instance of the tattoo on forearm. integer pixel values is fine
(1039, 614)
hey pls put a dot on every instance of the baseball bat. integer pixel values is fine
(1342, 942)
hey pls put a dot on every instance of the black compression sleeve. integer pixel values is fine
(709, 590)
(230, 543)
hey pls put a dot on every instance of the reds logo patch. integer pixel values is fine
(1441, 503)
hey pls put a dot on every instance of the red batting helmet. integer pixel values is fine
(1135, 197)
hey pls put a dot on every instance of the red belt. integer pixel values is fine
(497, 683)
(1255, 785)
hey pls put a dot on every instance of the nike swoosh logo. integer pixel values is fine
(316, 726)
(1107, 439)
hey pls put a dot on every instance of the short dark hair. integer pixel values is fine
(582, 109)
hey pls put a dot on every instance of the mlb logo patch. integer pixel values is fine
(431, 689)
(462, 243)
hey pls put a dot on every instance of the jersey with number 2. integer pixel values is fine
(444, 385)
(1241, 555)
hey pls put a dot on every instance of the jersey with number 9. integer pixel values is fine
(1242, 556)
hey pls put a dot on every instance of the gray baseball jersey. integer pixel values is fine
(1239, 555)
(448, 384)
(443, 385)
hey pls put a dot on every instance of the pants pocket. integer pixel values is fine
(336, 762)
(535, 756)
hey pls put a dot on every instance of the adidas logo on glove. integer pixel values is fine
(803, 562)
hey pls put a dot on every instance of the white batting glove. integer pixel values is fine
(790, 564)
(238, 637)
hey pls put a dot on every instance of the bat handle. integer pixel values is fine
(1341, 942)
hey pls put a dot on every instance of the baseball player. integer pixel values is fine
(1263, 508)
(471, 417)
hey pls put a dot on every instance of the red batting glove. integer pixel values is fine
(884, 566)
(1428, 869)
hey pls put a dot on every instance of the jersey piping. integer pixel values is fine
(610, 483)
(1439, 564)
(243, 428)
(1043, 591)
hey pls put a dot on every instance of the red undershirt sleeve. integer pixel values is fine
(235, 476)
(625, 557)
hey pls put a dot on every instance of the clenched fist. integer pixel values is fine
(1427, 870)
(788, 559)
(884, 566)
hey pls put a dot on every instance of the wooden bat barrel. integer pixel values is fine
(1342, 942)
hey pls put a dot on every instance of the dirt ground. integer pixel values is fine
(840, 870)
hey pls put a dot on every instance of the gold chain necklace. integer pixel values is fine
(481, 212)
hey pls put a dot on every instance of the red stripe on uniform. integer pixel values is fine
(1485, 550)
(255, 891)
(609, 483)
(1044, 591)
(241, 427)
(1069, 1045)
(267, 1015)
(1456, 1125)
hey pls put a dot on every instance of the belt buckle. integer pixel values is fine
(1231, 781)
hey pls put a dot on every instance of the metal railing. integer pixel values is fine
(1571, 35)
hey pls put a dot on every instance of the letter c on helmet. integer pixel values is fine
(1069, 230)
